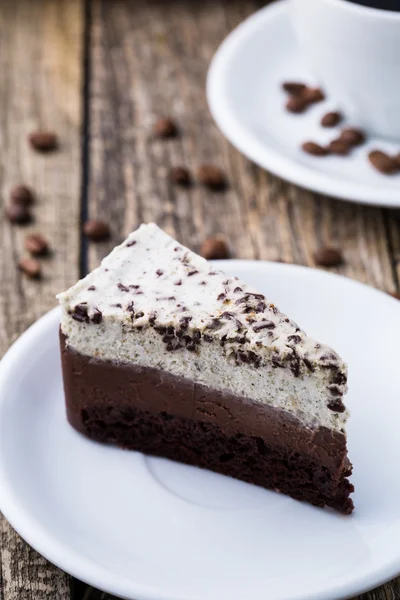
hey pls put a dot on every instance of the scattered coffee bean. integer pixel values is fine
(383, 162)
(43, 141)
(331, 119)
(352, 136)
(18, 214)
(214, 248)
(314, 149)
(30, 267)
(339, 147)
(313, 95)
(296, 104)
(180, 176)
(36, 244)
(21, 194)
(97, 231)
(212, 177)
(165, 128)
(328, 257)
(294, 88)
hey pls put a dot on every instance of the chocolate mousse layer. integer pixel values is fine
(152, 411)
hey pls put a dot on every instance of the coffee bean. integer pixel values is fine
(165, 128)
(180, 176)
(30, 267)
(43, 141)
(314, 149)
(18, 214)
(352, 136)
(294, 88)
(36, 244)
(328, 257)
(339, 147)
(212, 177)
(21, 194)
(313, 95)
(383, 162)
(296, 104)
(97, 231)
(214, 248)
(331, 119)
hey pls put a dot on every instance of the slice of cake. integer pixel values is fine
(164, 354)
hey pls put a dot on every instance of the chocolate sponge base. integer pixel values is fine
(154, 412)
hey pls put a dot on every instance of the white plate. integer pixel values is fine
(247, 103)
(149, 529)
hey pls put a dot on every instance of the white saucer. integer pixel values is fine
(148, 529)
(247, 103)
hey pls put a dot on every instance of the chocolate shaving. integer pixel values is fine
(97, 316)
(264, 325)
(295, 364)
(123, 287)
(80, 313)
(335, 390)
(184, 322)
(336, 405)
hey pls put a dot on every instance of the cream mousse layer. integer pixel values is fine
(154, 303)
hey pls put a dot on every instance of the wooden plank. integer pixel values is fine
(151, 58)
(40, 82)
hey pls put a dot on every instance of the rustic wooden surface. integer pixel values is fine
(40, 77)
(146, 58)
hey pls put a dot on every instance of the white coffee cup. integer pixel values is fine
(354, 52)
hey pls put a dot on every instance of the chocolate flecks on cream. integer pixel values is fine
(97, 316)
(251, 310)
(164, 280)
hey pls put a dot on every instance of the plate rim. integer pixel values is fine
(278, 163)
(85, 569)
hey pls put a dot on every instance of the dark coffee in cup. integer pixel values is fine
(381, 4)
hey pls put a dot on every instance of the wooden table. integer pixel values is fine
(98, 72)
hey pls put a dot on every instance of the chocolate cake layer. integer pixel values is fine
(152, 411)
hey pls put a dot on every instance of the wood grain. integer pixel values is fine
(150, 59)
(40, 81)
